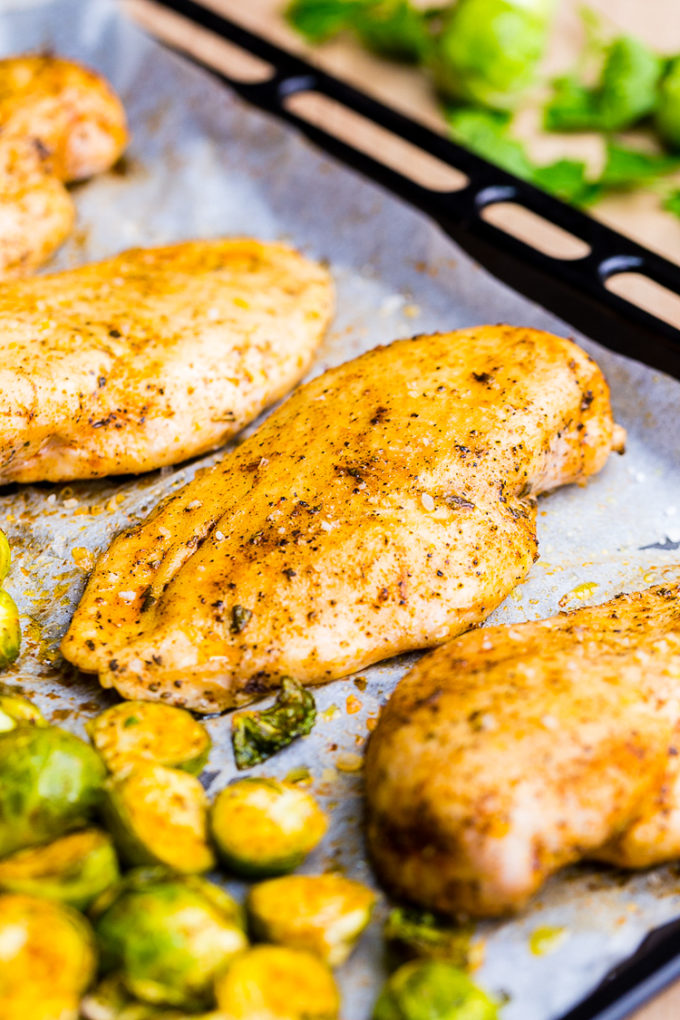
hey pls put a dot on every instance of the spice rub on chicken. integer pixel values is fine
(515, 750)
(388, 505)
(59, 122)
(151, 357)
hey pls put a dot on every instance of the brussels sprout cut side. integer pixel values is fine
(276, 983)
(74, 869)
(265, 827)
(432, 990)
(159, 816)
(50, 783)
(47, 959)
(168, 937)
(324, 914)
(137, 731)
(110, 1000)
(10, 630)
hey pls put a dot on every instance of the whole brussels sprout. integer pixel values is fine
(47, 959)
(159, 816)
(324, 914)
(10, 630)
(263, 826)
(488, 50)
(137, 731)
(432, 990)
(668, 106)
(50, 783)
(277, 983)
(74, 869)
(168, 936)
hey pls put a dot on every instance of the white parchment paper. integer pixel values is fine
(201, 163)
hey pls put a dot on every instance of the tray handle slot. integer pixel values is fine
(535, 230)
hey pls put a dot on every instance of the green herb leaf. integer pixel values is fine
(394, 28)
(567, 179)
(320, 20)
(672, 203)
(628, 168)
(256, 736)
(668, 107)
(629, 85)
(573, 107)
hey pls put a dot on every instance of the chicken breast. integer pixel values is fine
(59, 122)
(515, 750)
(151, 357)
(388, 505)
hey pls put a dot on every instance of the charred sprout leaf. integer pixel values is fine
(73, 870)
(320, 20)
(48, 959)
(5, 556)
(256, 736)
(668, 106)
(487, 133)
(411, 932)
(10, 630)
(488, 50)
(159, 816)
(432, 990)
(627, 168)
(50, 783)
(324, 914)
(240, 617)
(265, 826)
(168, 936)
(137, 731)
(672, 203)
(279, 984)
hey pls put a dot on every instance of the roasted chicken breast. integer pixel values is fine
(388, 505)
(151, 357)
(59, 122)
(515, 750)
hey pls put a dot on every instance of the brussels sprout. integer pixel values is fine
(488, 50)
(159, 816)
(277, 983)
(256, 736)
(47, 959)
(137, 731)
(74, 869)
(668, 106)
(5, 556)
(110, 1000)
(324, 914)
(432, 990)
(50, 783)
(15, 709)
(10, 631)
(168, 936)
(265, 826)
(412, 932)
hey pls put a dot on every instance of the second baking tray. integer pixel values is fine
(203, 162)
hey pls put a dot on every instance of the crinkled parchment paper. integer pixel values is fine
(201, 163)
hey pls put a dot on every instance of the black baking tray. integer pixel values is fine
(574, 289)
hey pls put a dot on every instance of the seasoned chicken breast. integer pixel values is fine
(58, 122)
(388, 505)
(151, 357)
(515, 750)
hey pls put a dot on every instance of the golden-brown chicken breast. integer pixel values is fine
(151, 357)
(515, 750)
(58, 122)
(388, 505)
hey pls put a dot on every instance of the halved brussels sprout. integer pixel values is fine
(137, 731)
(47, 959)
(168, 936)
(74, 869)
(15, 709)
(432, 990)
(277, 983)
(10, 630)
(5, 556)
(265, 826)
(159, 816)
(110, 1000)
(324, 914)
(50, 783)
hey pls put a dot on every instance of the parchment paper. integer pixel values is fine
(203, 164)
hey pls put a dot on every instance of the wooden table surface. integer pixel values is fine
(639, 215)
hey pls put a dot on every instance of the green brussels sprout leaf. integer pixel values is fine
(486, 133)
(672, 203)
(629, 85)
(627, 168)
(411, 932)
(256, 736)
(668, 106)
(573, 106)
(320, 20)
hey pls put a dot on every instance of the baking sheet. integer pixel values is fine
(201, 163)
